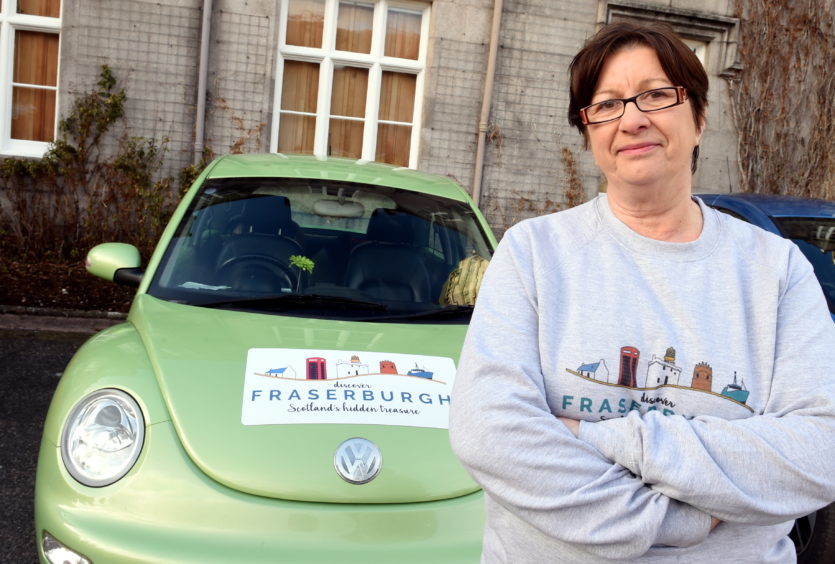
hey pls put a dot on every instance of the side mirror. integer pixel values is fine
(115, 262)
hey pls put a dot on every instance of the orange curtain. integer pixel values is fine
(350, 87)
(36, 64)
(299, 93)
(397, 100)
(402, 34)
(296, 133)
(300, 87)
(47, 8)
(305, 22)
(353, 28)
(397, 96)
(345, 138)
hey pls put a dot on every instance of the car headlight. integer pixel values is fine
(102, 437)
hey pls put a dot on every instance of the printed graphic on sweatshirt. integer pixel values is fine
(663, 385)
(288, 386)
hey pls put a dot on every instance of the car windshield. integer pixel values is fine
(816, 238)
(318, 248)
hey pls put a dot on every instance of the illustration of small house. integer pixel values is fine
(663, 370)
(352, 368)
(595, 370)
(285, 372)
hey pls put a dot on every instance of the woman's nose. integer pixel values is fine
(633, 118)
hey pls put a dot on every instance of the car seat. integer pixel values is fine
(388, 265)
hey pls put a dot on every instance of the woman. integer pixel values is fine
(645, 378)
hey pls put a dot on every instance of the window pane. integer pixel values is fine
(397, 96)
(33, 114)
(353, 29)
(305, 21)
(393, 143)
(36, 58)
(350, 86)
(48, 8)
(402, 34)
(345, 138)
(300, 86)
(295, 133)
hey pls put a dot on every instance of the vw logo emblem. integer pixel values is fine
(357, 461)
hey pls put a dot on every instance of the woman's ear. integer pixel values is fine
(700, 128)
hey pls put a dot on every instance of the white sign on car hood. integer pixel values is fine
(284, 386)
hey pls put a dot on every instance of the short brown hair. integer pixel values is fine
(679, 62)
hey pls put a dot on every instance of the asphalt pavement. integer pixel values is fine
(34, 350)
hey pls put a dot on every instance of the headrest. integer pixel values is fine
(266, 214)
(390, 226)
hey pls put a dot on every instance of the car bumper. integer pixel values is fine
(166, 510)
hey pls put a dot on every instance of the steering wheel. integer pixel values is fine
(257, 273)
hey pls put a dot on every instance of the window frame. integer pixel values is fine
(10, 23)
(375, 62)
(712, 37)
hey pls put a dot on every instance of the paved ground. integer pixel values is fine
(34, 349)
(55, 321)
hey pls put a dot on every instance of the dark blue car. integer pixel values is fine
(810, 224)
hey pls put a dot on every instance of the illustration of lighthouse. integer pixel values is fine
(628, 366)
(352, 368)
(663, 370)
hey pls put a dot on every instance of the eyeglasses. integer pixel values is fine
(649, 101)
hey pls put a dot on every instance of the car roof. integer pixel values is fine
(777, 205)
(279, 165)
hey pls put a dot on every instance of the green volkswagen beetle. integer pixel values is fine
(280, 389)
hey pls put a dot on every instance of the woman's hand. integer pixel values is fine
(572, 424)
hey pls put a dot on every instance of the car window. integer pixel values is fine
(732, 214)
(816, 239)
(244, 239)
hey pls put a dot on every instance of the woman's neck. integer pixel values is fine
(671, 216)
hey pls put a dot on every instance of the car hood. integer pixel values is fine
(261, 403)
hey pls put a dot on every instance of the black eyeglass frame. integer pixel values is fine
(681, 97)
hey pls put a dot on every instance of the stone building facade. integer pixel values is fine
(155, 49)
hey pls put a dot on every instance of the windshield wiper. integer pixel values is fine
(449, 312)
(298, 301)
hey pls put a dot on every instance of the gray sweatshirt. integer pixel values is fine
(703, 373)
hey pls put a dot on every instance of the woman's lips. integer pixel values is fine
(637, 148)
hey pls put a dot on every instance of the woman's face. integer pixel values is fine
(641, 148)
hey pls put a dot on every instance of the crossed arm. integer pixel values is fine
(617, 487)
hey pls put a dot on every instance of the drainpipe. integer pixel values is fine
(486, 100)
(200, 118)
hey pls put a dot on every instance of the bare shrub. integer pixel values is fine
(782, 101)
(77, 196)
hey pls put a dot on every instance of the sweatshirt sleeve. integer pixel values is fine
(503, 431)
(768, 468)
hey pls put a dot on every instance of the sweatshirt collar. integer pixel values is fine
(684, 252)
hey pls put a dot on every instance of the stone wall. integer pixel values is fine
(153, 49)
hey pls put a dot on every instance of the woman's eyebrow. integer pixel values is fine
(645, 84)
